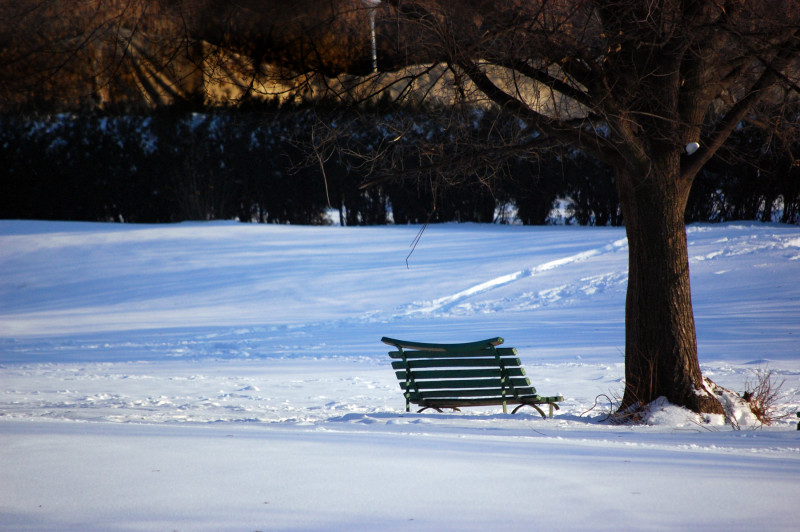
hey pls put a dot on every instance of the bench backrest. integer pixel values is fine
(467, 373)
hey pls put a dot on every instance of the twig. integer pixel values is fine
(419, 236)
(321, 167)
(597, 401)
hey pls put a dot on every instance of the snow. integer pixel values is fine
(222, 376)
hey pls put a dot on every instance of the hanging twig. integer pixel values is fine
(321, 166)
(419, 236)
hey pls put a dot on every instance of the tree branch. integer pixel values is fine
(739, 111)
(588, 140)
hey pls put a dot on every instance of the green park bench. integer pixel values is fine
(470, 374)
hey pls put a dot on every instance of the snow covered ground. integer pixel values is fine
(225, 376)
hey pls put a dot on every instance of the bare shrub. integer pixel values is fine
(762, 393)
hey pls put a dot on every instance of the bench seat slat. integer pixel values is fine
(502, 351)
(460, 373)
(481, 392)
(457, 363)
(456, 403)
(463, 384)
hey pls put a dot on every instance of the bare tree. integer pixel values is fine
(653, 89)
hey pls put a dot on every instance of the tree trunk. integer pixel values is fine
(660, 341)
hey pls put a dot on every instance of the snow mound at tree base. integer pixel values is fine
(738, 412)
(663, 413)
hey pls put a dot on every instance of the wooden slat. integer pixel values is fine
(502, 351)
(442, 347)
(485, 401)
(454, 394)
(461, 384)
(449, 403)
(552, 399)
(457, 363)
(459, 373)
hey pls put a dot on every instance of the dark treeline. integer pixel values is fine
(263, 165)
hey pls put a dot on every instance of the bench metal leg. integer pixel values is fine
(541, 412)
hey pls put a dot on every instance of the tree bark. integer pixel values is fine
(660, 340)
